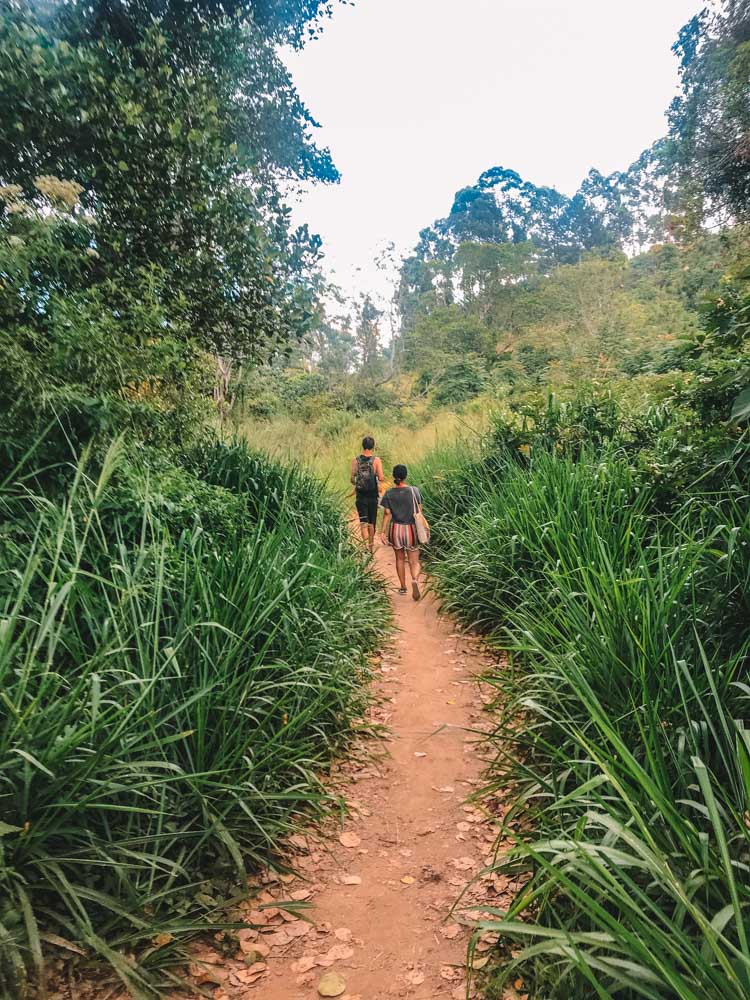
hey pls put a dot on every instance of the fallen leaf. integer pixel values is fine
(408, 880)
(331, 985)
(298, 928)
(450, 931)
(61, 942)
(339, 953)
(416, 978)
(252, 974)
(446, 789)
(304, 964)
(351, 880)
(450, 973)
(348, 840)
(280, 939)
(301, 894)
(343, 934)
(420, 754)
(463, 864)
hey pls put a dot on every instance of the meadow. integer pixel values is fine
(326, 445)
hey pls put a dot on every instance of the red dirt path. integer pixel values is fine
(415, 843)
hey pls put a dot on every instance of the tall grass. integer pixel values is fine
(326, 446)
(623, 733)
(172, 684)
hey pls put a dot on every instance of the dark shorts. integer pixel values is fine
(367, 508)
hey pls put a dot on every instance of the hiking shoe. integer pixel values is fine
(415, 590)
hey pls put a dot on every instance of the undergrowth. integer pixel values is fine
(182, 650)
(622, 599)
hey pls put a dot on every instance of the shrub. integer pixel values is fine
(629, 771)
(459, 381)
(180, 655)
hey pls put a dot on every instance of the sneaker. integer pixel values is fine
(415, 590)
(402, 590)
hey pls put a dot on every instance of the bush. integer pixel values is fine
(459, 382)
(180, 655)
(629, 772)
(603, 541)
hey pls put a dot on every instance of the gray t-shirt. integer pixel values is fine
(399, 500)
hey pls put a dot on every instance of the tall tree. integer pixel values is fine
(179, 121)
(367, 334)
(710, 119)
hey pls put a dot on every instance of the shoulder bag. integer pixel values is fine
(420, 521)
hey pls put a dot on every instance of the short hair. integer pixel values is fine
(368, 443)
(400, 472)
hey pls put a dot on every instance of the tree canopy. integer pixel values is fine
(177, 124)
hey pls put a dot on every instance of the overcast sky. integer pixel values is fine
(417, 97)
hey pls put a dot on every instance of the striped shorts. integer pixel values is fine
(403, 536)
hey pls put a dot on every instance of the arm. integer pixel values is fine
(353, 474)
(379, 473)
(384, 527)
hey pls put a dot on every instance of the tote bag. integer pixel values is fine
(420, 521)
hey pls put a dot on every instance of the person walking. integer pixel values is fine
(366, 477)
(401, 504)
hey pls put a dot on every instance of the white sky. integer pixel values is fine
(417, 97)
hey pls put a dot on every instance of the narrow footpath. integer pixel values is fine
(380, 886)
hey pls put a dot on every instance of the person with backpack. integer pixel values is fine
(403, 527)
(366, 477)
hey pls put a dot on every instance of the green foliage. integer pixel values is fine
(710, 119)
(628, 773)
(459, 381)
(601, 316)
(603, 541)
(182, 649)
(143, 239)
(77, 358)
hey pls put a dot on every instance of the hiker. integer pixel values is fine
(401, 504)
(366, 477)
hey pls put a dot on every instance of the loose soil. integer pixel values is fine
(381, 886)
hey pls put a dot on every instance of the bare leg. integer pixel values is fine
(371, 536)
(414, 570)
(401, 567)
(364, 530)
(414, 567)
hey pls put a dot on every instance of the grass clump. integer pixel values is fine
(622, 733)
(181, 653)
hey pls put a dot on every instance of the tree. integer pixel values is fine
(367, 334)
(178, 121)
(710, 120)
(503, 208)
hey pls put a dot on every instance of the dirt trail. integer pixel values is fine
(382, 884)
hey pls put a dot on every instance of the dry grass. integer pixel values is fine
(406, 439)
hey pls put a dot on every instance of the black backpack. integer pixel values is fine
(366, 481)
